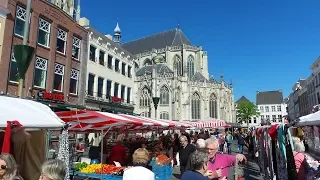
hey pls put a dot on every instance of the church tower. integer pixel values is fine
(117, 34)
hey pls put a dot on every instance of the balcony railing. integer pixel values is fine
(106, 98)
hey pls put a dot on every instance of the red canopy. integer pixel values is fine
(211, 123)
(85, 120)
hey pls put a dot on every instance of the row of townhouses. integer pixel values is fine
(305, 96)
(77, 66)
(272, 107)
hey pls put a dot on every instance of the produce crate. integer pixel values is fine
(161, 172)
(104, 176)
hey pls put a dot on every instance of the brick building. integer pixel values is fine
(58, 68)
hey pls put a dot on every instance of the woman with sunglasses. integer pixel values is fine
(8, 168)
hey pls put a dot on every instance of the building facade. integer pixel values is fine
(57, 71)
(271, 106)
(3, 16)
(290, 107)
(170, 67)
(110, 72)
(253, 121)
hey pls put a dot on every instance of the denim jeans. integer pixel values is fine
(240, 148)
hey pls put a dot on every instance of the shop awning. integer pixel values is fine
(310, 120)
(85, 120)
(211, 123)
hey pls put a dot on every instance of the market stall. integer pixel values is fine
(24, 124)
(92, 121)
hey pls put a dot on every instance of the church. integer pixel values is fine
(172, 80)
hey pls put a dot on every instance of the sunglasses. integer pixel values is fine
(3, 167)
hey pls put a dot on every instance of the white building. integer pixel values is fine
(110, 68)
(271, 106)
(254, 121)
(180, 77)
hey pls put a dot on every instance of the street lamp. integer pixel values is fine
(155, 99)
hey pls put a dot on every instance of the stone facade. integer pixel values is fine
(178, 74)
(54, 24)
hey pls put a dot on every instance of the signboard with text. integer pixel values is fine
(49, 96)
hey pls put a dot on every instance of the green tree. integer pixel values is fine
(245, 111)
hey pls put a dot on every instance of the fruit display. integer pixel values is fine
(162, 160)
(101, 169)
(79, 166)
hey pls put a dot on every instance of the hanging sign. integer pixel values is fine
(51, 96)
(116, 99)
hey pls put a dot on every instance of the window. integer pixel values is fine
(74, 78)
(213, 106)
(44, 32)
(254, 120)
(279, 108)
(92, 55)
(279, 118)
(274, 118)
(116, 65)
(90, 84)
(145, 114)
(267, 117)
(178, 66)
(164, 96)
(109, 61)
(128, 95)
(76, 45)
(273, 108)
(108, 92)
(14, 77)
(190, 67)
(164, 115)
(100, 86)
(250, 121)
(123, 89)
(21, 15)
(267, 108)
(147, 62)
(261, 109)
(262, 117)
(129, 71)
(123, 69)
(116, 89)
(40, 72)
(195, 106)
(101, 58)
(58, 77)
(145, 98)
(61, 41)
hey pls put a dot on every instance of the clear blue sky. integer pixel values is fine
(261, 44)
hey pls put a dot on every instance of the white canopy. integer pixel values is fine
(310, 120)
(30, 114)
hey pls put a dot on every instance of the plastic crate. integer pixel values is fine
(104, 176)
(161, 172)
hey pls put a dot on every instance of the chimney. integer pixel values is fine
(84, 21)
(280, 90)
(109, 36)
(257, 92)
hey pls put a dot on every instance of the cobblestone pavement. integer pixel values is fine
(251, 169)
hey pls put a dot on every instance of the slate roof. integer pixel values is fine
(173, 37)
(161, 68)
(199, 77)
(96, 34)
(242, 100)
(269, 97)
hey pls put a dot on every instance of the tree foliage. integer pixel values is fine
(245, 111)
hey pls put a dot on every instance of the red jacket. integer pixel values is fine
(117, 154)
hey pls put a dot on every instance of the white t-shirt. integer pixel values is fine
(138, 173)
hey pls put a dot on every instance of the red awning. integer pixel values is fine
(211, 123)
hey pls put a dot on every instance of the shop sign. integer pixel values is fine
(51, 96)
(116, 99)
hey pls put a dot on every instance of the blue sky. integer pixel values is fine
(261, 44)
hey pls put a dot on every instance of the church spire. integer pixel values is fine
(117, 34)
(78, 11)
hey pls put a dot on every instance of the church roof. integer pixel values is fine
(173, 37)
(212, 80)
(161, 68)
(199, 77)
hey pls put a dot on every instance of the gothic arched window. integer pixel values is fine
(178, 65)
(164, 96)
(213, 109)
(190, 66)
(164, 115)
(145, 98)
(195, 106)
(147, 62)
